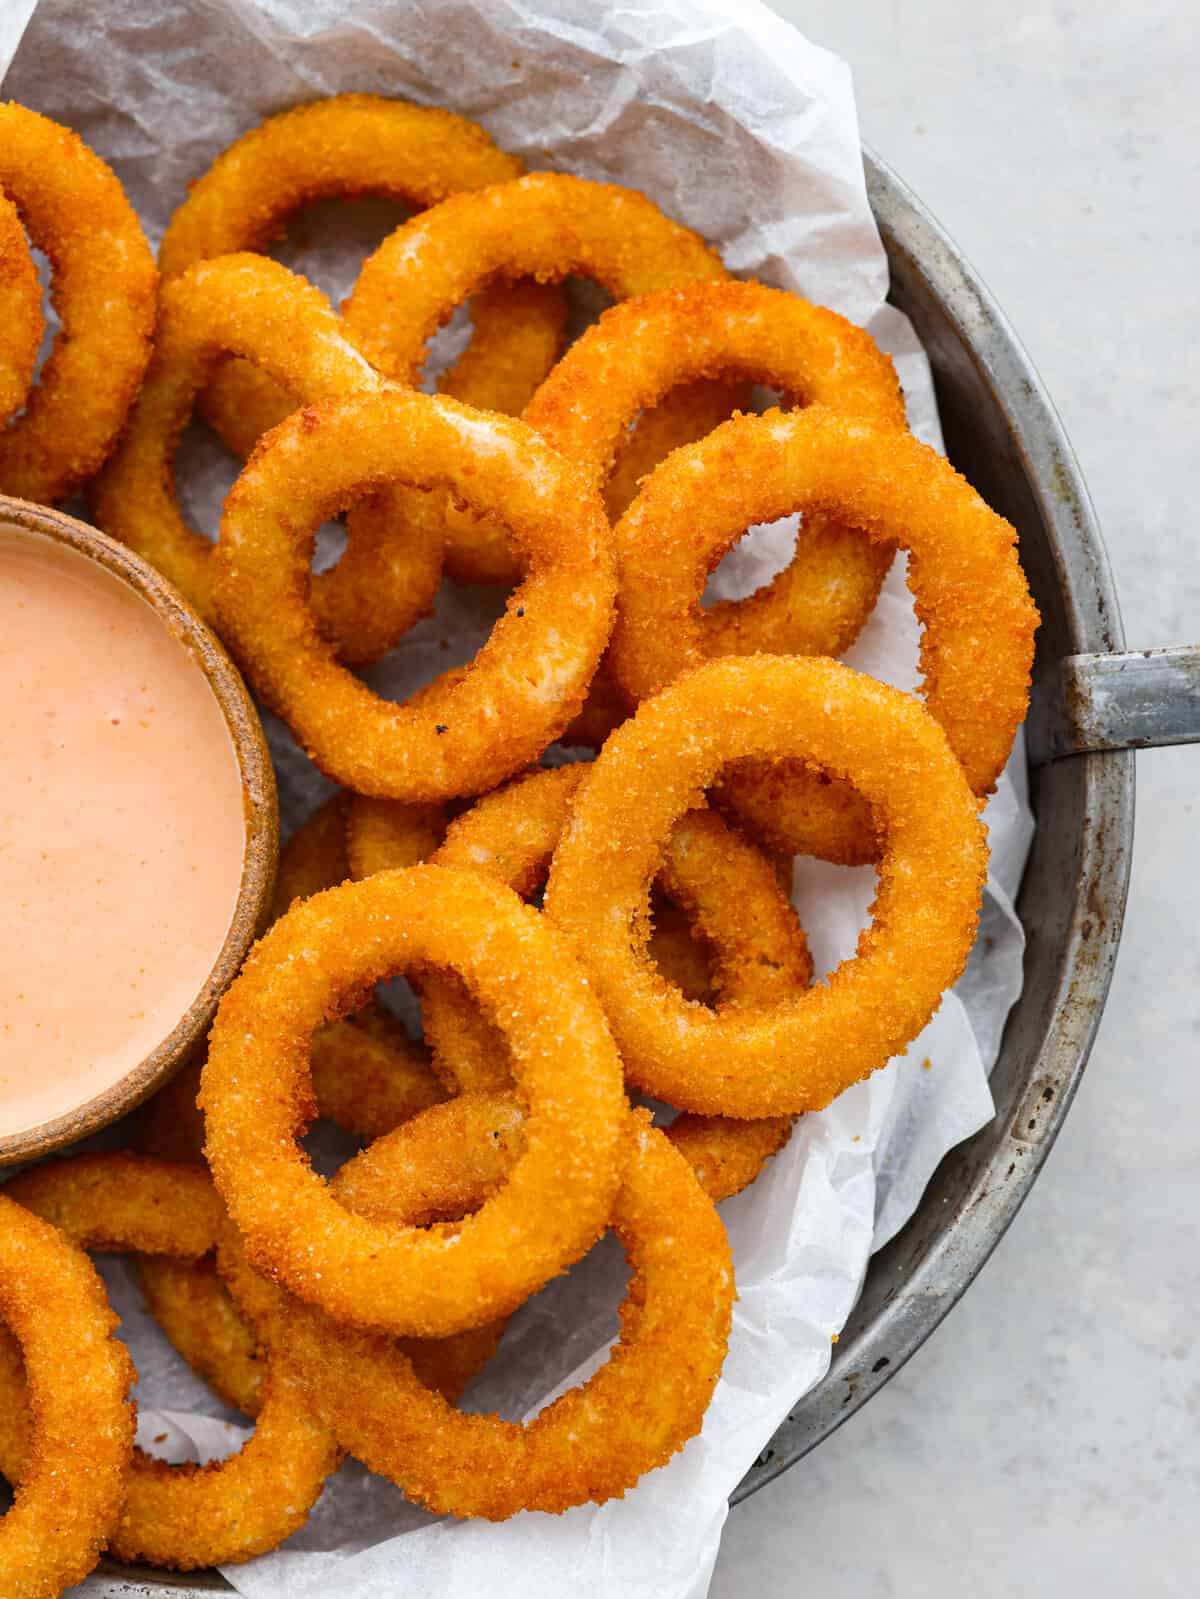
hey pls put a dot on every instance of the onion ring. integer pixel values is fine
(386, 835)
(546, 226)
(966, 581)
(186, 1516)
(251, 306)
(318, 960)
(22, 324)
(527, 681)
(634, 355)
(314, 857)
(103, 287)
(594, 1441)
(730, 892)
(193, 1307)
(79, 1441)
(352, 144)
(799, 1054)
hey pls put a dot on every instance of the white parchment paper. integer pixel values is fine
(735, 124)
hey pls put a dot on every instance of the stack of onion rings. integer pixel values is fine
(546, 226)
(668, 955)
(103, 287)
(316, 962)
(527, 682)
(592, 1442)
(248, 305)
(730, 892)
(795, 1056)
(352, 144)
(966, 581)
(185, 1516)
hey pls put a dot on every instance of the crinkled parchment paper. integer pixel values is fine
(735, 124)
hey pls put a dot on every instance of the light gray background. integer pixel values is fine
(1047, 1440)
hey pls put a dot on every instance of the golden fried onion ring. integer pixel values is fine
(21, 320)
(799, 1054)
(314, 857)
(594, 1441)
(546, 226)
(252, 306)
(637, 352)
(967, 586)
(529, 679)
(193, 1307)
(385, 835)
(79, 1440)
(103, 287)
(187, 1516)
(256, 1093)
(352, 144)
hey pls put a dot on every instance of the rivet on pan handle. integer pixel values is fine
(1133, 701)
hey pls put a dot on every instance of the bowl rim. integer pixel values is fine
(260, 804)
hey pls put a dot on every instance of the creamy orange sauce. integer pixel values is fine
(122, 830)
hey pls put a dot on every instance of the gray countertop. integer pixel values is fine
(1046, 1440)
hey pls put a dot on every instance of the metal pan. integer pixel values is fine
(1093, 704)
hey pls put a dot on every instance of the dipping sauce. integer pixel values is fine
(122, 830)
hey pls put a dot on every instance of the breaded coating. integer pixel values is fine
(970, 593)
(527, 681)
(103, 286)
(77, 1434)
(248, 305)
(728, 888)
(798, 1054)
(593, 1442)
(21, 321)
(343, 146)
(186, 1516)
(257, 1097)
(546, 226)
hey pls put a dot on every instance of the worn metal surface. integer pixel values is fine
(1002, 432)
(1121, 702)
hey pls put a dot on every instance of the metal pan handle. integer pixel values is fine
(1133, 701)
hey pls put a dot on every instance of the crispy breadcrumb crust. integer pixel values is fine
(22, 324)
(545, 226)
(78, 1433)
(970, 594)
(796, 1055)
(103, 287)
(186, 1516)
(729, 890)
(248, 305)
(591, 1443)
(257, 1096)
(526, 683)
(344, 146)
